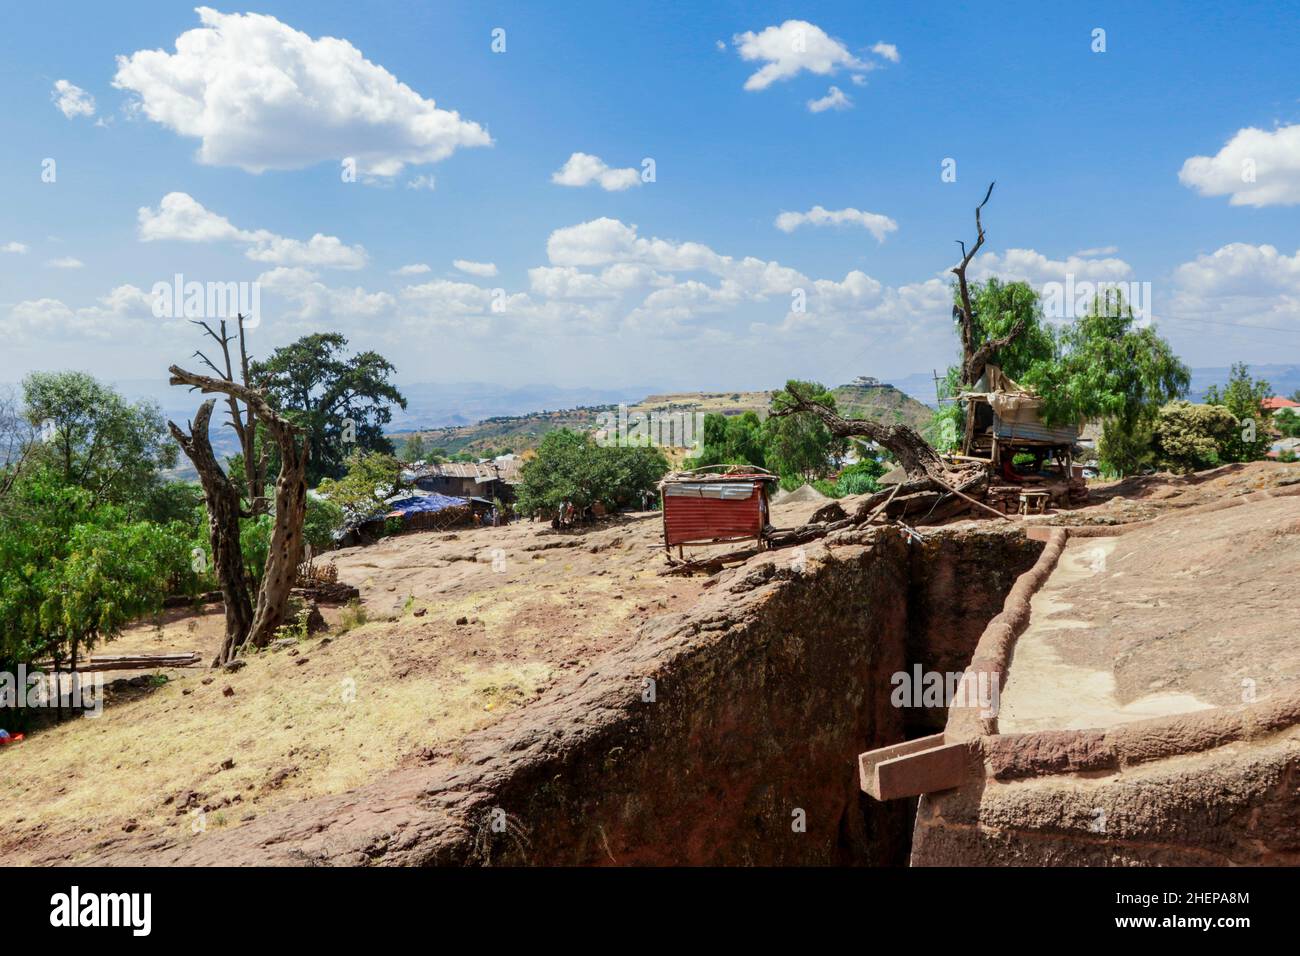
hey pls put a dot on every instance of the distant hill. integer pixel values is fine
(477, 417)
(517, 433)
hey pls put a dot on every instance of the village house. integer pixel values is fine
(469, 479)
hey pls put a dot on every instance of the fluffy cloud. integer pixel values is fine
(886, 51)
(637, 265)
(1238, 285)
(1028, 265)
(125, 309)
(1256, 168)
(1241, 269)
(878, 225)
(180, 217)
(72, 101)
(314, 301)
(414, 269)
(261, 95)
(14, 247)
(483, 269)
(581, 169)
(604, 241)
(65, 262)
(835, 99)
(794, 46)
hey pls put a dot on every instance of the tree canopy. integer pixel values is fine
(1242, 397)
(94, 438)
(342, 402)
(571, 467)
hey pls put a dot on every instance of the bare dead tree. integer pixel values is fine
(223, 501)
(247, 621)
(242, 421)
(976, 355)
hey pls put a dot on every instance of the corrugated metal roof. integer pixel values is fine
(507, 470)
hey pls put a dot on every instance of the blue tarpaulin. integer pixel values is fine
(419, 504)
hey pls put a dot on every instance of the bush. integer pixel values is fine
(571, 467)
(1191, 437)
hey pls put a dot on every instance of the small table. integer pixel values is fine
(1034, 502)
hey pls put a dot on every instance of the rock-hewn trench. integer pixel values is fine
(726, 734)
(772, 686)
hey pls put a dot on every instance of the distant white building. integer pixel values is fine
(865, 381)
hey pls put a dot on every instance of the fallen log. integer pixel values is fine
(130, 662)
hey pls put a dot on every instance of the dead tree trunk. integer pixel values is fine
(932, 490)
(976, 355)
(290, 501)
(222, 499)
(904, 442)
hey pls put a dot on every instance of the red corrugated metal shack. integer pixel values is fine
(703, 507)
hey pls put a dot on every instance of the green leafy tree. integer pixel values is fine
(799, 445)
(571, 467)
(1192, 437)
(731, 440)
(413, 449)
(369, 479)
(1242, 397)
(324, 518)
(1287, 423)
(94, 439)
(344, 403)
(1111, 367)
(860, 479)
(999, 306)
(113, 573)
(74, 572)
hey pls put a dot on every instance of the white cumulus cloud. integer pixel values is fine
(878, 225)
(1256, 168)
(181, 217)
(886, 51)
(794, 46)
(1029, 265)
(835, 99)
(484, 269)
(15, 247)
(582, 169)
(261, 95)
(71, 100)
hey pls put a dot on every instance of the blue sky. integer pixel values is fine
(683, 282)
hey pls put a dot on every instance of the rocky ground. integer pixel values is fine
(459, 630)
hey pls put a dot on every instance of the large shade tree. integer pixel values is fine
(341, 403)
